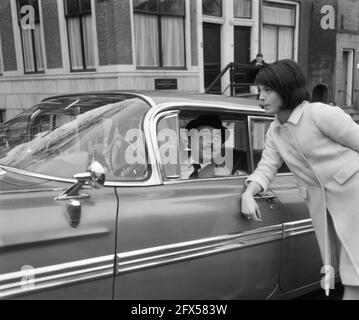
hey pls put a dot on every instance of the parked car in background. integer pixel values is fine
(79, 220)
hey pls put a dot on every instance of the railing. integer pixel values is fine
(248, 72)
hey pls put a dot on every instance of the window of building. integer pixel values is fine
(279, 23)
(1, 60)
(160, 33)
(2, 116)
(31, 39)
(242, 8)
(79, 27)
(212, 8)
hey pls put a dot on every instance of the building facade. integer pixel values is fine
(94, 45)
(347, 60)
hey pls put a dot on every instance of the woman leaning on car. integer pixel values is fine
(320, 145)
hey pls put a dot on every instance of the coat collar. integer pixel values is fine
(295, 116)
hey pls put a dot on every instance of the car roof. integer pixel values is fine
(158, 98)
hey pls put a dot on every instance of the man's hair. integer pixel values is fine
(287, 79)
(259, 55)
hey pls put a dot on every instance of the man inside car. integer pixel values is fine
(206, 139)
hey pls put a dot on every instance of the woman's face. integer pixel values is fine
(270, 100)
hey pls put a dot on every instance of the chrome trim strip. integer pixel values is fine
(90, 269)
(36, 175)
(244, 177)
(205, 105)
(229, 178)
(148, 99)
(31, 191)
(55, 276)
(169, 254)
(132, 261)
(297, 228)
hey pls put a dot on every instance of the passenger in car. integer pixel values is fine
(207, 136)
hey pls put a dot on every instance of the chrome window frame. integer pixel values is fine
(168, 107)
(250, 121)
(157, 120)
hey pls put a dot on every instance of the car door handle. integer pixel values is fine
(269, 199)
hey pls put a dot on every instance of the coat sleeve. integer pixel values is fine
(269, 164)
(337, 125)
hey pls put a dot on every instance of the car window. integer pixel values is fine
(227, 156)
(65, 141)
(14, 131)
(259, 128)
(168, 145)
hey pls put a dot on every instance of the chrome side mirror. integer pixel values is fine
(98, 176)
(93, 178)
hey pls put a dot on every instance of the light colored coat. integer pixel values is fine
(320, 145)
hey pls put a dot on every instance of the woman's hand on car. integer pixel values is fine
(250, 209)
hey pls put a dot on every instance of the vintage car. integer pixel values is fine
(80, 221)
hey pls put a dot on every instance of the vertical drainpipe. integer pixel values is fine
(260, 25)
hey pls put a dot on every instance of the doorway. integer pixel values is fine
(346, 97)
(242, 54)
(212, 56)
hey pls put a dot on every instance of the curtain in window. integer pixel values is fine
(147, 42)
(28, 50)
(38, 48)
(279, 16)
(88, 41)
(173, 43)
(75, 43)
(242, 8)
(285, 43)
(269, 49)
(212, 7)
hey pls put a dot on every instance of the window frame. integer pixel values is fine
(158, 119)
(158, 14)
(2, 115)
(251, 120)
(294, 28)
(242, 17)
(214, 15)
(201, 109)
(80, 14)
(1, 58)
(37, 24)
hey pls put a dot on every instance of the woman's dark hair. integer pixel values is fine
(287, 79)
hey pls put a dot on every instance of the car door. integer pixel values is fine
(44, 254)
(187, 239)
(301, 260)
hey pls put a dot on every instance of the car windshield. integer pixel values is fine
(63, 140)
